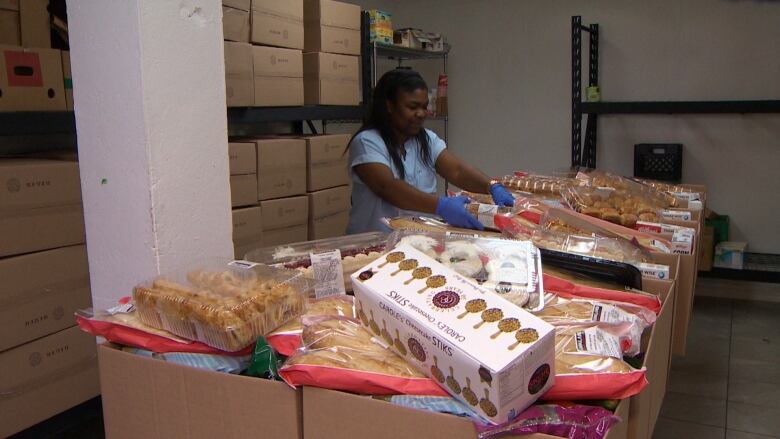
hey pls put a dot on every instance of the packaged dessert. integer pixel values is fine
(226, 305)
(626, 187)
(682, 193)
(325, 256)
(508, 268)
(486, 212)
(589, 363)
(428, 224)
(457, 333)
(572, 421)
(339, 353)
(571, 288)
(611, 205)
(537, 184)
(560, 310)
(287, 338)
(683, 238)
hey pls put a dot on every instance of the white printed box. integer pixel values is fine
(484, 350)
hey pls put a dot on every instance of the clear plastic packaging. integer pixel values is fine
(428, 224)
(356, 251)
(486, 212)
(287, 338)
(226, 305)
(611, 205)
(600, 179)
(571, 288)
(571, 421)
(537, 184)
(512, 269)
(339, 353)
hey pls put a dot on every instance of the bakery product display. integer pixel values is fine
(226, 308)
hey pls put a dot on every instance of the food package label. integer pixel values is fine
(485, 351)
(597, 342)
(682, 241)
(655, 271)
(328, 274)
(680, 215)
(687, 196)
(485, 214)
(603, 312)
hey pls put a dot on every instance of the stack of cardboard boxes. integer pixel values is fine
(263, 52)
(31, 73)
(288, 189)
(331, 62)
(48, 364)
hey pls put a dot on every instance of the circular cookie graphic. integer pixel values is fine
(445, 299)
(491, 315)
(406, 265)
(436, 372)
(487, 406)
(474, 306)
(392, 258)
(435, 281)
(452, 383)
(469, 394)
(417, 350)
(419, 273)
(385, 334)
(485, 376)
(362, 314)
(373, 325)
(366, 275)
(539, 379)
(399, 345)
(509, 324)
(524, 336)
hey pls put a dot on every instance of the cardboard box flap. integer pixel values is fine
(333, 13)
(273, 61)
(291, 10)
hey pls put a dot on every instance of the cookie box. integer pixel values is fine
(226, 305)
(485, 351)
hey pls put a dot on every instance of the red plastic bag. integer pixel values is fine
(568, 289)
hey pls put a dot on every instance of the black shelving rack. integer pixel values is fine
(583, 153)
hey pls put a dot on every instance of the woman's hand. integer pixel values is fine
(501, 196)
(453, 210)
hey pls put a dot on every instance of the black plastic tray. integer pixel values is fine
(599, 269)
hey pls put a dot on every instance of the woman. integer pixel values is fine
(393, 161)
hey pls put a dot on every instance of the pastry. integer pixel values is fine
(463, 257)
(423, 243)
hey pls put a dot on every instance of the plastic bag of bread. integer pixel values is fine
(286, 339)
(559, 310)
(224, 304)
(589, 363)
(570, 288)
(509, 268)
(537, 184)
(600, 179)
(428, 224)
(613, 205)
(339, 353)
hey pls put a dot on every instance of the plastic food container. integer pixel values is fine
(225, 304)
(355, 252)
(512, 269)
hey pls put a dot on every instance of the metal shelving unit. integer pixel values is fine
(583, 153)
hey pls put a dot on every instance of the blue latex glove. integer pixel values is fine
(501, 196)
(453, 210)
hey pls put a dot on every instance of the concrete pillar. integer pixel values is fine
(149, 93)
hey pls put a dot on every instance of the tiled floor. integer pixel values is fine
(728, 384)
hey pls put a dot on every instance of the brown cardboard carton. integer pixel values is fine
(376, 419)
(68, 78)
(35, 27)
(235, 24)
(30, 183)
(39, 229)
(707, 249)
(32, 304)
(243, 158)
(285, 220)
(329, 212)
(278, 76)
(45, 377)
(332, 27)
(247, 230)
(331, 79)
(10, 29)
(278, 23)
(243, 190)
(287, 235)
(281, 168)
(244, 5)
(326, 161)
(239, 83)
(31, 80)
(152, 399)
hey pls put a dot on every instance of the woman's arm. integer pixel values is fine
(459, 173)
(380, 179)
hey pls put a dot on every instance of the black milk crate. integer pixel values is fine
(658, 161)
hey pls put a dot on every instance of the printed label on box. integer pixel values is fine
(328, 274)
(681, 215)
(655, 271)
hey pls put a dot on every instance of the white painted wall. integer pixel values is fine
(150, 113)
(510, 89)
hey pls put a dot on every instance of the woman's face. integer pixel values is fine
(409, 111)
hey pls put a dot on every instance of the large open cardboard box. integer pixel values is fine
(149, 398)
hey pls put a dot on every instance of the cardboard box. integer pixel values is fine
(45, 377)
(32, 183)
(41, 292)
(10, 26)
(39, 229)
(730, 254)
(331, 79)
(243, 190)
(417, 39)
(68, 79)
(332, 27)
(285, 220)
(281, 167)
(243, 158)
(326, 161)
(278, 76)
(376, 419)
(239, 77)
(329, 212)
(153, 399)
(235, 24)
(278, 23)
(31, 80)
(247, 230)
(244, 5)
(35, 23)
(441, 333)
(707, 249)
